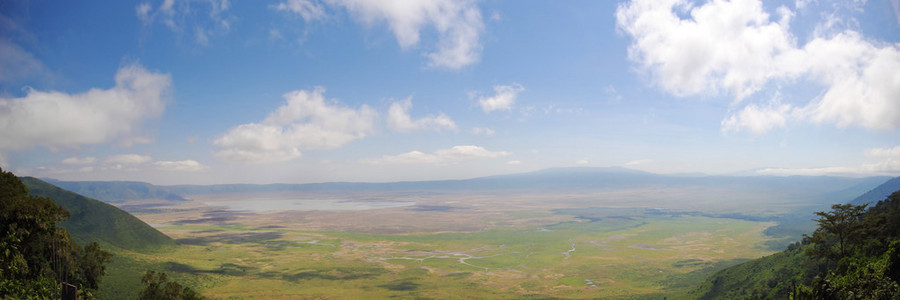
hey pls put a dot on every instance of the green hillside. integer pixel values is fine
(854, 253)
(92, 220)
(770, 277)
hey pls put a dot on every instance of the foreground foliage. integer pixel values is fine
(35, 255)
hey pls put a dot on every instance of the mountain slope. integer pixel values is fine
(92, 220)
(116, 191)
(769, 277)
(878, 193)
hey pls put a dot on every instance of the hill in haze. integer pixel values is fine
(116, 191)
(93, 220)
(878, 193)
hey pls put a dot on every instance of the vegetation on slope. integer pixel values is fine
(854, 253)
(95, 221)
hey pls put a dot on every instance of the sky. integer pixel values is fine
(298, 91)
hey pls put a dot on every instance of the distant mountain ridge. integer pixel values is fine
(824, 189)
(116, 191)
(94, 221)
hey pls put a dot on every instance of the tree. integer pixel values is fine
(92, 265)
(158, 287)
(840, 228)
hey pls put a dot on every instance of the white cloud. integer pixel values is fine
(883, 161)
(736, 48)
(443, 156)
(514, 162)
(182, 16)
(130, 163)
(503, 99)
(723, 46)
(483, 131)
(56, 119)
(307, 9)
(79, 160)
(884, 152)
(862, 79)
(306, 121)
(400, 120)
(757, 119)
(458, 24)
(181, 165)
(638, 162)
(127, 159)
(582, 162)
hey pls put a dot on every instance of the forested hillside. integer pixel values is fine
(854, 253)
(95, 221)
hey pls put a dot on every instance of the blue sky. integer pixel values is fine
(218, 91)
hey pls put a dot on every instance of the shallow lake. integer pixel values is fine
(265, 205)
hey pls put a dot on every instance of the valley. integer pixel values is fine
(614, 243)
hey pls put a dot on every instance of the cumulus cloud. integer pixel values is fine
(181, 165)
(883, 161)
(400, 120)
(724, 45)
(458, 24)
(186, 16)
(56, 119)
(503, 99)
(736, 48)
(306, 121)
(443, 156)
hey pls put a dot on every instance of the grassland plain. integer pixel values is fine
(478, 249)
